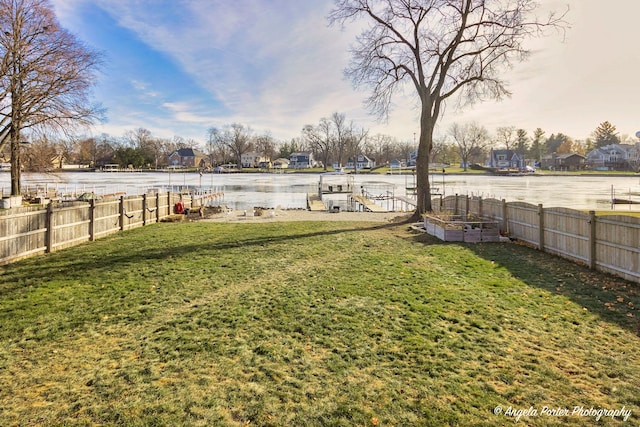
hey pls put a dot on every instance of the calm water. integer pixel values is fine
(243, 191)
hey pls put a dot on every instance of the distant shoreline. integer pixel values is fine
(608, 174)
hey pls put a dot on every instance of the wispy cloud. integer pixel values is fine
(182, 66)
(185, 112)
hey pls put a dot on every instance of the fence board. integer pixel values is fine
(617, 251)
(25, 232)
(22, 234)
(606, 243)
(132, 212)
(492, 208)
(523, 222)
(70, 226)
(567, 233)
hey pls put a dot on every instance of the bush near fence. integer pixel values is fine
(28, 231)
(605, 243)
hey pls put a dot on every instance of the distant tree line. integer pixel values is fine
(137, 148)
(333, 140)
(470, 142)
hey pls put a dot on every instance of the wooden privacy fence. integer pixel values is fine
(30, 231)
(609, 243)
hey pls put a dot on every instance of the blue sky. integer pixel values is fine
(180, 67)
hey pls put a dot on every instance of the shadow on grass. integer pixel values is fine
(70, 265)
(611, 298)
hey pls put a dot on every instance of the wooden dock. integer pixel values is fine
(314, 203)
(369, 205)
(407, 200)
(205, 198)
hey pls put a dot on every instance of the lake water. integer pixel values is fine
(246, 190)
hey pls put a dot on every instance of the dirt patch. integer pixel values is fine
(273, 215)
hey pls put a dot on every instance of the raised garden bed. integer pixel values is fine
(456, 228)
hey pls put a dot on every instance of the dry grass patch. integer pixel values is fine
(309, 324)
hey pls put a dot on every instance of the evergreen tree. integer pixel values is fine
(555, 141)
(605, 134)
(522, 141)
(536, 144)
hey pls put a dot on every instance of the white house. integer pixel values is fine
(281, 163)
(301, 160)
(252, 159)
(613, 157)
(363, 162)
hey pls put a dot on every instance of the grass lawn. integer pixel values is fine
(312, 324)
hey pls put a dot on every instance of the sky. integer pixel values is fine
(180, 67)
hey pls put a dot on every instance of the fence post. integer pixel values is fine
(144, 209)
(121, 213)
(480, 213)
(505, 220)
(466, 206)
(455, 204)
(158, 206)
(592, 240)
(168, 202)
(92, 220)
(541, 227)
(49, 225)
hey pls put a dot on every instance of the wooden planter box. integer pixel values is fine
(455, 229)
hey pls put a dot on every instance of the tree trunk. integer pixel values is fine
(423, 187)
(16, 166)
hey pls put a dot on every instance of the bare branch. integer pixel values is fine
(441, 47)
(46, 75)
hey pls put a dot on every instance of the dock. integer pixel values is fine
(368, 205)
(314, 203)
(408, 201)
(204, 199)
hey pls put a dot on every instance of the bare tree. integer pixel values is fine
(237, 138)
(165, 147)
(66, 151)
(105, 150)
(178, 142)
(87, 151)
(266, 145)
(404, 150)
(321, 139)
(470, 139)
(142, 140)
(341, 129)
(442, 48)
(381, 147)
(506, 136)
(40, 155)
(331, 139)
(355, 138)
(214, 151)
(439, 148)
(45, 75)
